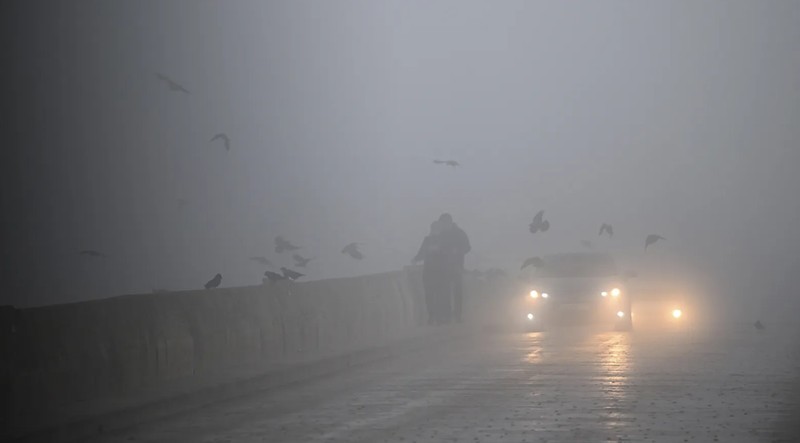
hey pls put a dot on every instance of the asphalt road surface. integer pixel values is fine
(733, 385)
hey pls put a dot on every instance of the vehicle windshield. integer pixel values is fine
(578, 266)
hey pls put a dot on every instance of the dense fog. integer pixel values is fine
(669, 118)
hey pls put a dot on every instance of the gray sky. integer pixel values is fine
(677, 118)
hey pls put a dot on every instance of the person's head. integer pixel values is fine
(446, 218)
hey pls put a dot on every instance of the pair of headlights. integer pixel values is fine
(614, 293)
(536, 294)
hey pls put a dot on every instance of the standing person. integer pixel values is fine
(435, 265)
(456, 244)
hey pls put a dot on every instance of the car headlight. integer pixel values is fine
(530, 316)
(677, 313)
(615, 292)
(545, 295)
(620, 314)
(534, 294)
(604, 294)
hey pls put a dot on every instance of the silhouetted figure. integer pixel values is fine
(224, 137)
(451, 163)
(539, 223)
(352, 251)
(172, 85)
(301, 261)
(284, 245)
(291, 275)
(758, 325)
(273, 276)
(606, 228)
(262, 261)
(435, 275)
(456, 245)
(92, 253)
(652, 238)
(536, 262)
(214, 282)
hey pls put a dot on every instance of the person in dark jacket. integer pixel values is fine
(456, 245)
(435, 274)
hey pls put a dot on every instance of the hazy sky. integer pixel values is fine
(676, 118)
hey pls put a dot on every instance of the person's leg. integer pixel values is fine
(446, 298)
(458, 294)
(429, 285)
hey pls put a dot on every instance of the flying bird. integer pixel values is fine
(301, 261)
(652, 238)
(536, 262)
(273, 276)
(282, 244)
(452, 163)
(225, 139)
(171, 84)
(214, 282)
(352, 251)
(291, 275)
(606, 228)
(262, 261)
(587, 244)
(758, 325)
(539, 223)
(92, 253)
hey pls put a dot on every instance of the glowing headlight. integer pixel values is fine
(620, 314)
(545, 295)
(676, 313)
(615, 292)
(604, 294)
(530, 316)
(534, 294)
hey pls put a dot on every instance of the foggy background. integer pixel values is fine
(674, 118)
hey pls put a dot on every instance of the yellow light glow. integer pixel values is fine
(615, 292)
(604, 294)
(534, 294)
(545, 295)
(530, 316)
(677, 313)
(620, 314)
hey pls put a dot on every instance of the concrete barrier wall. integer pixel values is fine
(56, 355)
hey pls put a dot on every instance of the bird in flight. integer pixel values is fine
(214, 282)
(171, 84)
(539, 223)
(225, 139)
(282, 244)
(606, 228)
(291, 275)
(273, 276)
(301, 261)
(352, 251)
(451, 163)
(536, 262)
(262, 261)
(652, 238)
(758, 325)
(92, 253)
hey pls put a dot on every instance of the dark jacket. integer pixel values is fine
(456, 243)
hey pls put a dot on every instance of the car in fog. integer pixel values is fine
(576, 289)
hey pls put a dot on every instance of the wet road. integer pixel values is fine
(538, 387)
